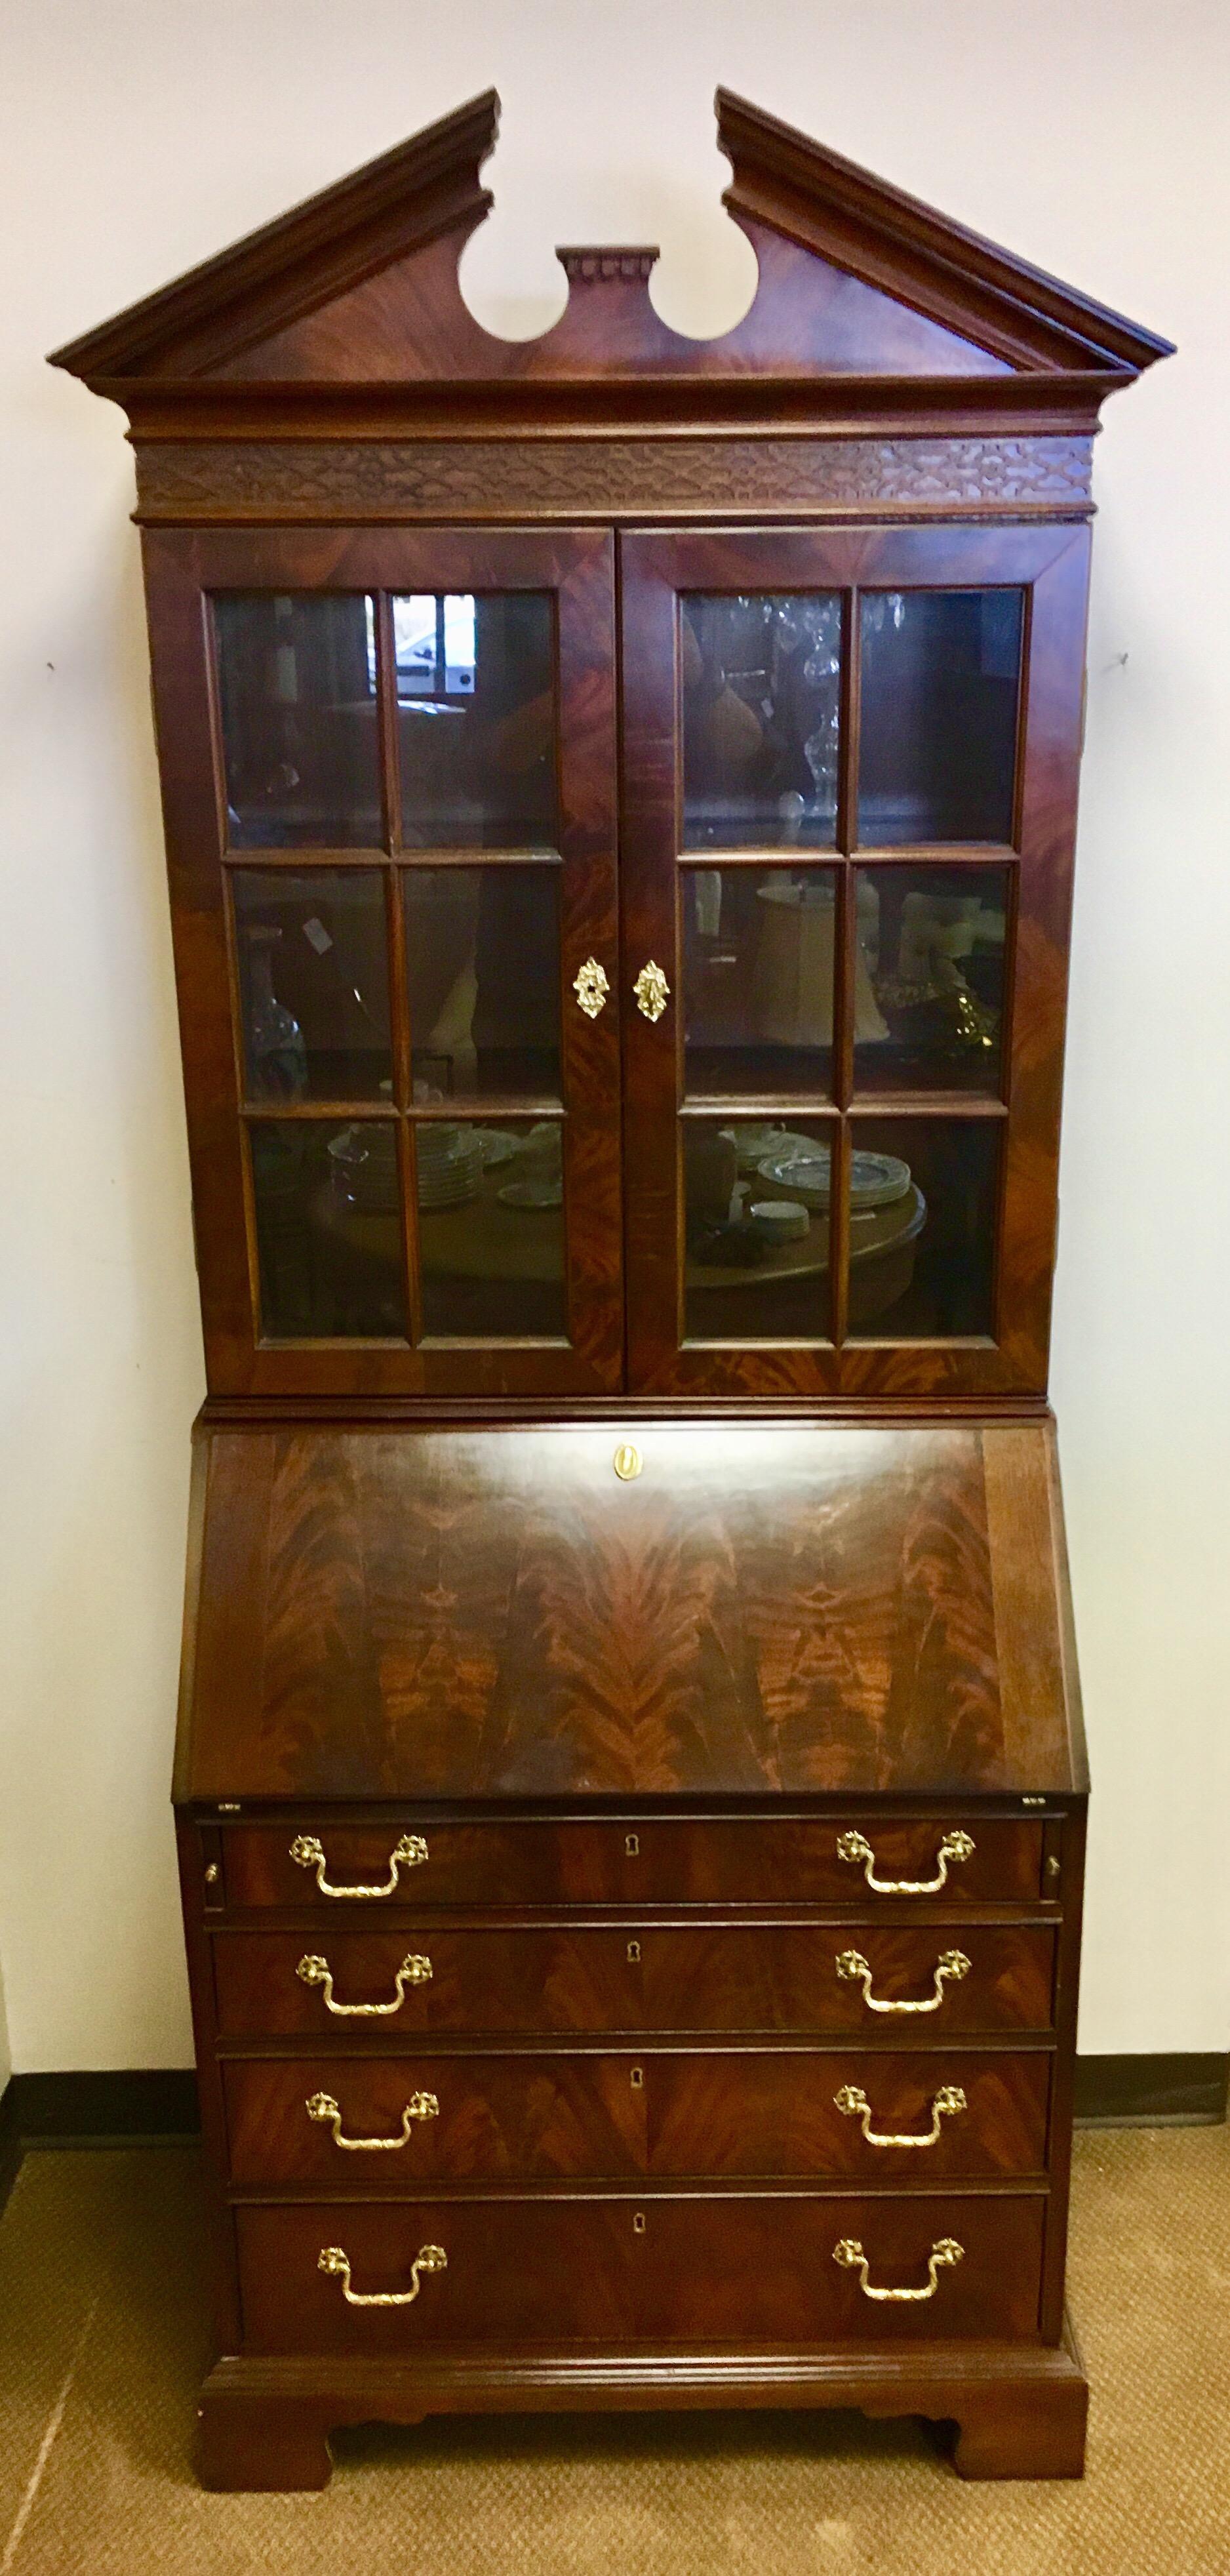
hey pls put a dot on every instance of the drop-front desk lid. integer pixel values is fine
(775, 1610)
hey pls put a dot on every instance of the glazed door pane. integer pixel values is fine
(389, 770)
(842, 1071)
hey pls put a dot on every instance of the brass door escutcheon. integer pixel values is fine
(591, 987)
(628, 1462)
(652, 991)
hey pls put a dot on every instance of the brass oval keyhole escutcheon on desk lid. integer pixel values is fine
(628, 1462)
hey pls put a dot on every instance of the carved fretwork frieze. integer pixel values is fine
(578, 478)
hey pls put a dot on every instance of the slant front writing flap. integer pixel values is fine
(770, 1611)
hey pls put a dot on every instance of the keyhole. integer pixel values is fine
(637, 2078)
(634, 1952)
(638, 2222)
(632, 1846)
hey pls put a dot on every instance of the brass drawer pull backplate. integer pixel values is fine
(849, 2253)
(944, 2105)
(421, 2106)
(429, 2258)
(955, 1846)
(591, 987)
(409, 1853)
(415, 1970)
(853, 1968)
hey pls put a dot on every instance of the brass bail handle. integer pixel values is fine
(943, 2255)
(956, 1846)
(854, 1969)
(325, 2107)
(415, 1970)
(308, 1852)
(333, 2259)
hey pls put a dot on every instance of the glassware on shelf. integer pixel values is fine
(274, 1046)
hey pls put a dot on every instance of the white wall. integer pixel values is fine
(145, 134)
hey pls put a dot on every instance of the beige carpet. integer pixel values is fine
(101, 2336)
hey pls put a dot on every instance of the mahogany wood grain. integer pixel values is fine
(766, 1609)
(1016, 2410)
(659, 1862)
(755, 1977)
(722, 2270)
(656, 2113)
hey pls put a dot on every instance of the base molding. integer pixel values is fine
(1019, 2411)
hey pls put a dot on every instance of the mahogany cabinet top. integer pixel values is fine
(870, 305)
(767, 1611)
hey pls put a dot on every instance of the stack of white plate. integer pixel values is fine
(876, 1180)
(450, 1163)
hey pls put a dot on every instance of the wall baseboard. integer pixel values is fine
(147, 2105)
(1187, 2091)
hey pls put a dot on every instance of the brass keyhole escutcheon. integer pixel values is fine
(634, 1953)
(628, 1461)
(638, 2223)
(637, 2079)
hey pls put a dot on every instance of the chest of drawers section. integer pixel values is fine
(637, 2083)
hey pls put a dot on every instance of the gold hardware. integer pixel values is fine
(955, 1846)
(849, 2253)
(638, 2222)
(852, 1966)
(414, 1971)
(632, 1846)
(228, 1806)
(853, 2101)
(212, 1874)
(1033, 1802)
(421, 2106)
(1053, 1866)
(409, 1853)
(628, 1462)
(591, 987)
(637, 2078)
(652, 991)
(429, 2258)
(634, 1952)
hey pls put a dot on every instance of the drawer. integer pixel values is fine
(686, 1862)
(761, 2113)
(732, 2269)
(916, 1982)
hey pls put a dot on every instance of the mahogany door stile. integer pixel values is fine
(654, 2113)
(657, 1861)
(725, 2269)
(755, 1978)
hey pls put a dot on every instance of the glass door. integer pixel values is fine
(389, 772)
(849, 799)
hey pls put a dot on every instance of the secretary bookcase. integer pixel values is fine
(620, 796)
